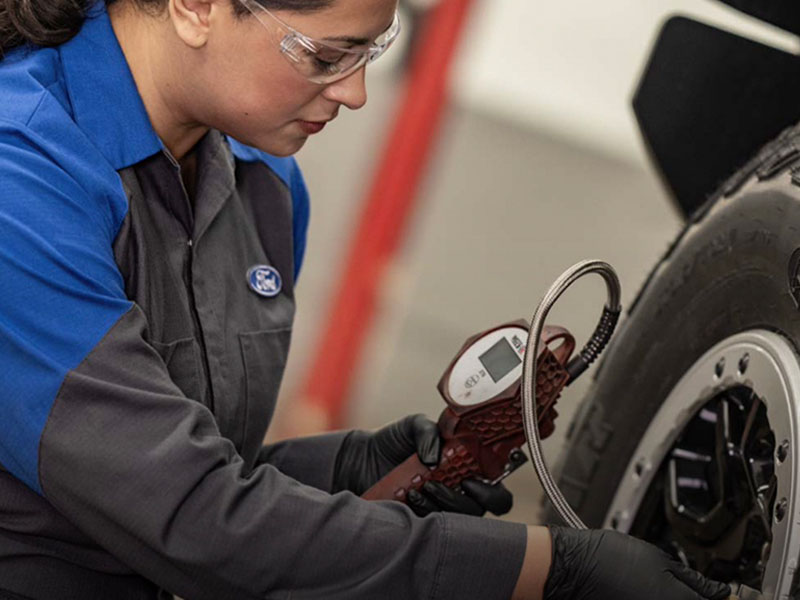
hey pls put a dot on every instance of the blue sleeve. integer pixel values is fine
(61, 289)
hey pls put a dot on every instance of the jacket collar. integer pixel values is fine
(105, 101)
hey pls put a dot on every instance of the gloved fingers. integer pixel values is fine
(609, 564)
(494, 498)
(395, 442)
(451, 500)
(706, 588)
(427, 442)
(421, 504)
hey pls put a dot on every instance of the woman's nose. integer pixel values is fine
(350, 91)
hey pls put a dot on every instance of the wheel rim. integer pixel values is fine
(713, 477)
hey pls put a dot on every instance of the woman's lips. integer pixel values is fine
(311, 127)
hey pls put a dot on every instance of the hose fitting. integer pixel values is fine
(596, 344)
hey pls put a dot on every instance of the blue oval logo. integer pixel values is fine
(264, 280)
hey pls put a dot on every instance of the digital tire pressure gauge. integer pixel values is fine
(481, 427)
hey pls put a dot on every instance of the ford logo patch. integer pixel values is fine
(264, 280)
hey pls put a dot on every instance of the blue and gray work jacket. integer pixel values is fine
(140, 358)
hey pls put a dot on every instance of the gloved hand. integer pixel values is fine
(599, 564)
(365, 457)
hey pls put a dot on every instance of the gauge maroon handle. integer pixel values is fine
(457, 463)
(479, 442)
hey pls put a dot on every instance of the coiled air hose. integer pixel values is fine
(575, 367)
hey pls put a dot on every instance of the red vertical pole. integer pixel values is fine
(384, 218)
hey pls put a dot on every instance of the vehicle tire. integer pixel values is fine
(733, 270)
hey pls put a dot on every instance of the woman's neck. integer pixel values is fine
(147, 43)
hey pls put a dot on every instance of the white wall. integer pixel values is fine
(570, 68)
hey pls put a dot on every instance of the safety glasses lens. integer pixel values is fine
(318, 61)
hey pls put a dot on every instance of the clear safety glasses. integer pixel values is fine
(318, 61)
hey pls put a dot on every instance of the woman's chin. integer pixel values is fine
(277, 145)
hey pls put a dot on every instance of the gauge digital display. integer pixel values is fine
(499, 359)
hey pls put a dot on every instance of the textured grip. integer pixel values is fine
(456, 465)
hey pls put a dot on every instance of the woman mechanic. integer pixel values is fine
(150, 237)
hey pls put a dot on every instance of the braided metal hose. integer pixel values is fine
(576, 366)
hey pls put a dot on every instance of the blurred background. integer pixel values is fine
(537, 164)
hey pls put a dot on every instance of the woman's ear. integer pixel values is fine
(192, 19)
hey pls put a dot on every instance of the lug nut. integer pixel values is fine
(782, 451)
(780, 510)
(720, 367)
(743, 363)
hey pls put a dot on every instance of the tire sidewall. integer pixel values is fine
(729, 272)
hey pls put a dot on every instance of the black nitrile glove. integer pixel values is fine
(366, 457)
(600, 564)
(474, 498)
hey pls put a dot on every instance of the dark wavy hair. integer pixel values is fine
(53, 22)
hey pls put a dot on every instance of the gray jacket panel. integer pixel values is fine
(186, 268)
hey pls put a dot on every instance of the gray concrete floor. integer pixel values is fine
(503, 211)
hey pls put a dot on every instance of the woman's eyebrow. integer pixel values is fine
(356, 41)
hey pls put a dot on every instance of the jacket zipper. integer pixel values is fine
(198, 328)
(197, 325)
